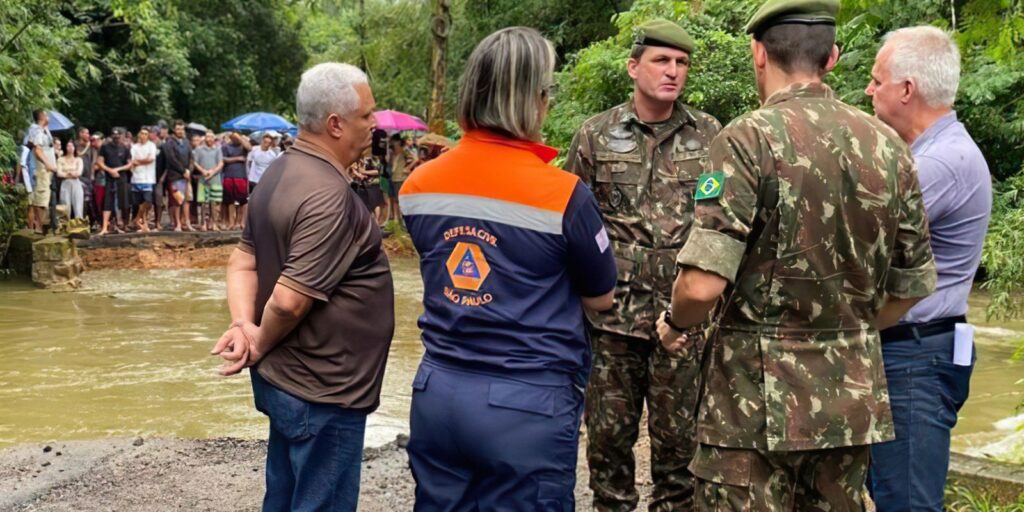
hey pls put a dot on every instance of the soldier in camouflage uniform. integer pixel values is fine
(642, 160)
(812, 224)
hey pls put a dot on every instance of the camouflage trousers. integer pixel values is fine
(628, 372)
(735, 479)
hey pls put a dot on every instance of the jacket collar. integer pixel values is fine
(545, 153)
(799, 90)
(680, 115)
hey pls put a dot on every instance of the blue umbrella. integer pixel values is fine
(58, 122)
(254, 121)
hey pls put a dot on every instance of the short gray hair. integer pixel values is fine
(505, 81)
(324, 89)
(929, 56)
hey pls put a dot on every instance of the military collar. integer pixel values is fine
(799, 90)
(680, 115)
(545, 153)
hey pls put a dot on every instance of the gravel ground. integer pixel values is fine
(214, 474)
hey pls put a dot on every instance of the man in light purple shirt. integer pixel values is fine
(913, 86)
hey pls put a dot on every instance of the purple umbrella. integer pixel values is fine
(395, 121)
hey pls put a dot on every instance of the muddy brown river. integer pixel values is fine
(127, 356)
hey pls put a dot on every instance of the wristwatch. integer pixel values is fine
(667, 316)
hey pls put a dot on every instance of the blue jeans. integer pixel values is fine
(485, 442)
(314, 453)
(926, 390)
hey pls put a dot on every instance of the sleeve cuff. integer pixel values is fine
(301, 288)
(597, 291)
(713, 252)
(911, 283)
(246, 246)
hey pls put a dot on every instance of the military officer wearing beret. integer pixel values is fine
(642, 160)
(812, 228)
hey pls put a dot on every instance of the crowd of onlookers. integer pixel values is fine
(379, 175)
(170, 177)
(128, 182)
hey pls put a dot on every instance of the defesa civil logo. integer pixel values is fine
(467, 266)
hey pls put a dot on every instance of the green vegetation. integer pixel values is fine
(390, 39)
(121, 62)
(720, 82)
(13, 201)
(990, 102)
(962, 499)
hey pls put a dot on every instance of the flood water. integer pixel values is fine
(127, 356)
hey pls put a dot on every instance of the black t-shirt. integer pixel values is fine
(177, 158)
(161, 163)
(114, 155)
(379, 147)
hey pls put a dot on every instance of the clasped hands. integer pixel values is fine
(238, 347)
(673, 340)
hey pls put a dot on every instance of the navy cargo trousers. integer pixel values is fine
(496, 443)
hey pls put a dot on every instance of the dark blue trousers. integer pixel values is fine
(314, 453)
(926, 391)
(488, 443)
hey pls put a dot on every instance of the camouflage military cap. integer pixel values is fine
(807, 12)
(664, 33)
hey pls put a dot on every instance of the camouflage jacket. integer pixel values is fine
(819, 216)
(643, 178)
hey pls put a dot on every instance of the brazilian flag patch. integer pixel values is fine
(709, 186)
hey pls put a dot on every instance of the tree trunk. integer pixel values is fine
(440, 26)
(361, 32)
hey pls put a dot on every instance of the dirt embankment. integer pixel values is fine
(181, 250)
(157, 475)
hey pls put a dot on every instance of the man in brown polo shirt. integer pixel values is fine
(312, 301)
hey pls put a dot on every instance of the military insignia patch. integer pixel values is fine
(709, 186)
(616, 197)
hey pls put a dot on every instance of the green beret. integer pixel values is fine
(807, 12)
(663, 33)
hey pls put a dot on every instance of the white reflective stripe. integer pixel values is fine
(483, 208)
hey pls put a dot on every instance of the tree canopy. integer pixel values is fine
(125, 63)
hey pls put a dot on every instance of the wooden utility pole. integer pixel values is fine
(440, 26)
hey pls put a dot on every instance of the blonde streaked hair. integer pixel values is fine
(505, 83)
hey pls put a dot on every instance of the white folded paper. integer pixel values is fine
(963, 344)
